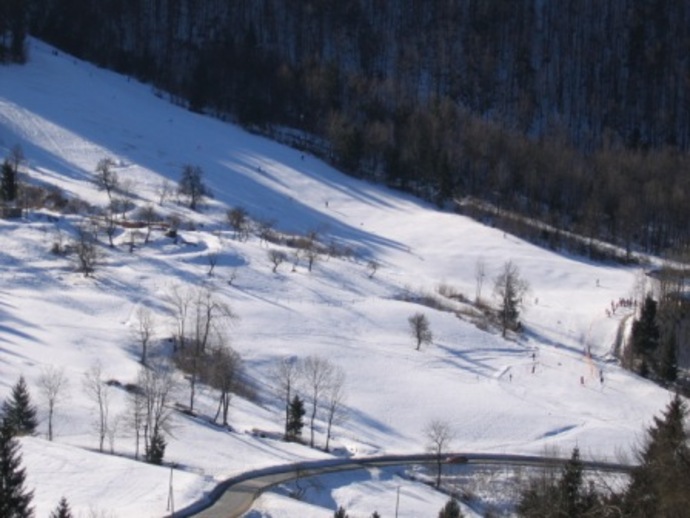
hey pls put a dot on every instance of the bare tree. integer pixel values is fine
(277, 257)
(53, 385)
(212, 258)
(180, 299)
(149, 215)
(201, 317)
(164, 190)
(479, 276)
(144, 331)
(224, 374)
(99, 392)
(373, 267)
(192, 186)
(157, 386)
(334, 402)
(86, 248)
(266, 232)
(510, 289)
(106, 179)
(286, 375)
(317, 373)
(110, 225)
(439, 434)
(137, 416)
(420, 329)
(238, 219)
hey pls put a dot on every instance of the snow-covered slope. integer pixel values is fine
(518, 396)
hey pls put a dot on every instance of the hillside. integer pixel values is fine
(522, 395)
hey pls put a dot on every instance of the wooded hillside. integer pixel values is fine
(574, 111)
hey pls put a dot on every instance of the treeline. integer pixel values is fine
(14, 27)
(575, 112)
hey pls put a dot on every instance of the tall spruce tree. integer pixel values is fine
(645, 337)
(295, 419)
(15, 499)
(659, 485)
(450, 510)
(8, 182)
(18, 411)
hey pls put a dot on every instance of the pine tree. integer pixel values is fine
(18, 411)
(570, 486)
(8, 182)
(659, 484)
(156, 449)
(450, 510)
(62, 510)
(295, 419)
(645, 335)
(340, 513)
(15, 500)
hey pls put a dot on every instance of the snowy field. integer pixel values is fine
(538, 393)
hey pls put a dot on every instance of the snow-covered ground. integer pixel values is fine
(528, 395)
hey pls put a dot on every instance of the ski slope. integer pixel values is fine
(530, 394)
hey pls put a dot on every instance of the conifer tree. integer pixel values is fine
(62, 510)
(15, 500)
(645, 336)
(340, 513)
(8, 182)
(18, 411)
(156, 449)
(659, 484)
(450, 510)
(295, 419)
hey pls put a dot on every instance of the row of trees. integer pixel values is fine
(657, 484)
(490, 101)
(312, 386)
(14, 27)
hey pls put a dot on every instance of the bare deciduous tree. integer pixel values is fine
(212, 258)
(277, 257)
(149, 215)
(53, 385)
(192, 186)
(334, 402)
(439, 434)
(164, 190)
(373, 267)
(238, 218)
(420, 329)
(317, 373)
(99, 392)
(479, 276)
(144, 331)
(106, 179)
(224, 374)
(200, 318)
(86, 248)
(157, 387)
(286, 375)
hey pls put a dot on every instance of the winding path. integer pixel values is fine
(234, 497)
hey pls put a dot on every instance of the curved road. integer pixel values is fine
(234, 497)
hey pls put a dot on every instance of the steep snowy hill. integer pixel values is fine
(524, 394)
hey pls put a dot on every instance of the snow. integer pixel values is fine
(67, 115)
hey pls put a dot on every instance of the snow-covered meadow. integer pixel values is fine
(528, 395)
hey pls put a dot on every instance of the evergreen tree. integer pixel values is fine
(450, 510)
(659, 484)
(18, 411)
(15, 500)
(295, 419)
(570, 486)
(8, 182)
(340, 513)
(156, 449)
(62, 510)
(645, 336)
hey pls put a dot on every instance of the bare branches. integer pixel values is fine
(53, 385)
